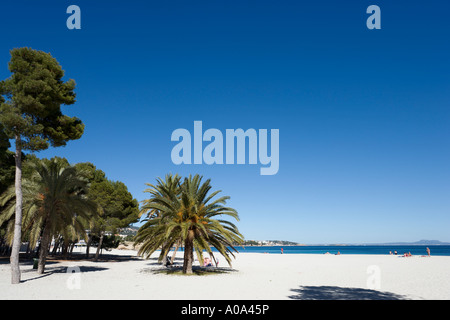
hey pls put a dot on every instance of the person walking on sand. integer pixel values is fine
(281, 250)
(428, 251)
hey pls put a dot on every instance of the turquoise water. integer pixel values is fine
(436, 250)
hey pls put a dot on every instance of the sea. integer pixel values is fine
(436, 250)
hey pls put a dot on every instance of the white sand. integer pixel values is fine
(254, 276)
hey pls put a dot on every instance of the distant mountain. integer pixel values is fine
(419, 243)
(416, 243)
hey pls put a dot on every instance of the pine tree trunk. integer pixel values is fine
(188, 253)
(17, 240)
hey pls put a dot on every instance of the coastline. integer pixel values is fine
(252, 276)
(436, 250)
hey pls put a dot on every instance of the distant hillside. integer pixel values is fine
(129, 231)
(270, 243)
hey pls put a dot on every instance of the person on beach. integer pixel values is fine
(207, 262)
(281, 250)
(428, 252)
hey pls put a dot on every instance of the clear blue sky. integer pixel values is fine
(364, 115)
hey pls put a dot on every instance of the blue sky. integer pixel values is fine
(363, 114)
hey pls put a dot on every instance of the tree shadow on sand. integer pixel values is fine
(341, 293)
(155, 262)
(197, 270)
(60, 269)
(26, 259)
(104, 257)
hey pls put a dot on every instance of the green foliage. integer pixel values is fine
(116, 206)
(113, 205)
(7, 163)
(108, 242)
(250, 243)
(30, 107)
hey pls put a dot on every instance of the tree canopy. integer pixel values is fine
(116, 206)
(32, 99)
(55, 202)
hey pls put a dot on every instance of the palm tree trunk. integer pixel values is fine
(14, 259)
(188, 253)
(72, 245)
(174, 253)
(65, 250)
(213, 259)
(99, 247)
(88, 246)
(28, 249)
(164, 260)
(45, 241)
(56, 246)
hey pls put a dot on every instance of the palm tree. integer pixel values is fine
(164, 188)
(188, 215)
(169, 189)
(54, 202)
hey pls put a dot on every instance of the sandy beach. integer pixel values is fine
(253, 276)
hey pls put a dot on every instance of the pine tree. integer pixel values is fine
(30, 112)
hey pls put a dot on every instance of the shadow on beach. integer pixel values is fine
(177, 269)
(52, 263)
(155, 262)
(104, 257)
(341, 293)
(60, 269)
(26, 259)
